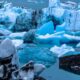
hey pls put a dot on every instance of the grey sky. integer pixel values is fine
(35, 4)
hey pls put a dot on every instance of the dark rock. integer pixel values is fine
(70, 63)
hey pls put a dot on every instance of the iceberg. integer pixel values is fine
(29, 36)
(47, 28)
(38, 68)
(23, 23)
(61, 27)
(58, 38)
(7, 18)
(72, 37)
(4, 32)
(33, 51)
(18, 10)
(60, 51)
(28, 71)
(17, 35)
(53, 38)
(58, 12)
(17, 42)
(78, 45)
(7, 48)
(12, 16)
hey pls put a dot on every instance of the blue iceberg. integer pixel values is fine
(61, 27)
(46, 28)
(38, 54)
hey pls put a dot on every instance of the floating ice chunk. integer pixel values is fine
(18, 10)
(17, 42)
(73, 37)
(23, 23)
(79, 6)
(38, 68)
(44, 36)
(29, 71)
(46, 57)
(78, 45)
(61, 36)
(12, 16)
(5, 32)
(58, 36)
(59, 51)
(53, 38)
(61, 27)
(16, 35)
(29, 36)
(47, 28)
(26, 75)
(7, 48)
(8, 18)
(58, 12)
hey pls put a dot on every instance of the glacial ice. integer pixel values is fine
(58, 12)
(78, 45)
(17, 42)
(33, 51)
(7, 48)
(63, 49)
(46, 28)
(17, 35)
(61, 27)
(44, 34)
(5, 32)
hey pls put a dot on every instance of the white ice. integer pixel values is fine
(60, 51)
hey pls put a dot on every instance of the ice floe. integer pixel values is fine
(5, 32)
(17, 42)
(61, 27)
(38, 68)
(7, 48)
(58, 12)
(17, 35)
(78, 45)
(46, 28)
(28, 71)
(59, 51)
(29, 36)
(33, 51)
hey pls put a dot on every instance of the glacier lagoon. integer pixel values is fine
(39, 51)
